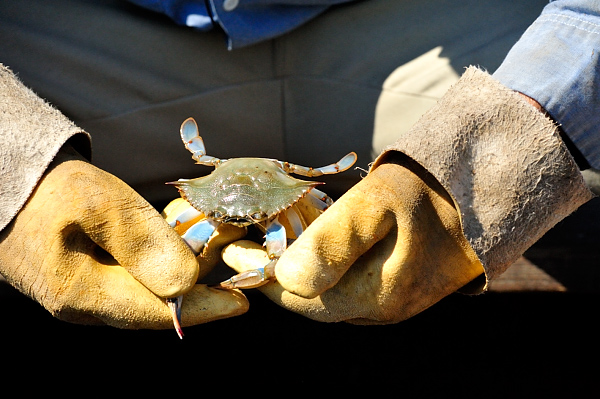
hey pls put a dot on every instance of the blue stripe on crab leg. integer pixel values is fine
(275, 242)
(275, 239)
(198, 235)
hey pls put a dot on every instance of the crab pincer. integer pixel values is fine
(251, 278)
(175, 307)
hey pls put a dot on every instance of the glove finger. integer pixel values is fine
(334, 241)
(352, 299)
(223, 235)
(203, 304)
(119, 220)
(247, 255)
(211, 256)
(126, 303)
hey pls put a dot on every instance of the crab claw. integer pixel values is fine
(194, 143)
(175, 307)
(251, 278)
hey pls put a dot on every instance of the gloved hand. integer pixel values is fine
(466, 191)
(387, 249)
(91, 250)
(222, 236)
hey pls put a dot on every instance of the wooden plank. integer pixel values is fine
(523, 276)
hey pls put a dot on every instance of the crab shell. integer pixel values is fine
(244, 191)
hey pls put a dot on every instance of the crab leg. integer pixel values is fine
(194, 143)
(276, 243)
(175, 308)
(198, 235)
(196, 238)
(319, 199)
(340, 166)
(251, 278)
(275, 239)
(295, 221)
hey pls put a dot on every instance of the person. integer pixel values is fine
(453, 199)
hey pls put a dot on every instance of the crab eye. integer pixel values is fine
(258, 215)
(215, 215)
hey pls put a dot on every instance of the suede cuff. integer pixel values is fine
(31, 134)
(502, 161)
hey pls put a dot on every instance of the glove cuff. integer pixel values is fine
(31, 134)
(502, 161)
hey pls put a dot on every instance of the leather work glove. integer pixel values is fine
(90, 250)
(474, 183)
(387, 249)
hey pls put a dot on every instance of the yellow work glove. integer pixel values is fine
(464, 192)
(387, 249)
(91, 250)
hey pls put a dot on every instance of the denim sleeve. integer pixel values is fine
(245, 22)
(556, 62)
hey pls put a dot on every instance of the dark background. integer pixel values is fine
(505, 343)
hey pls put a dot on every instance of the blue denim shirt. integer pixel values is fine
(244, 21)
(557, 63)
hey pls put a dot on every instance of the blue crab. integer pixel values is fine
(244, 192)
